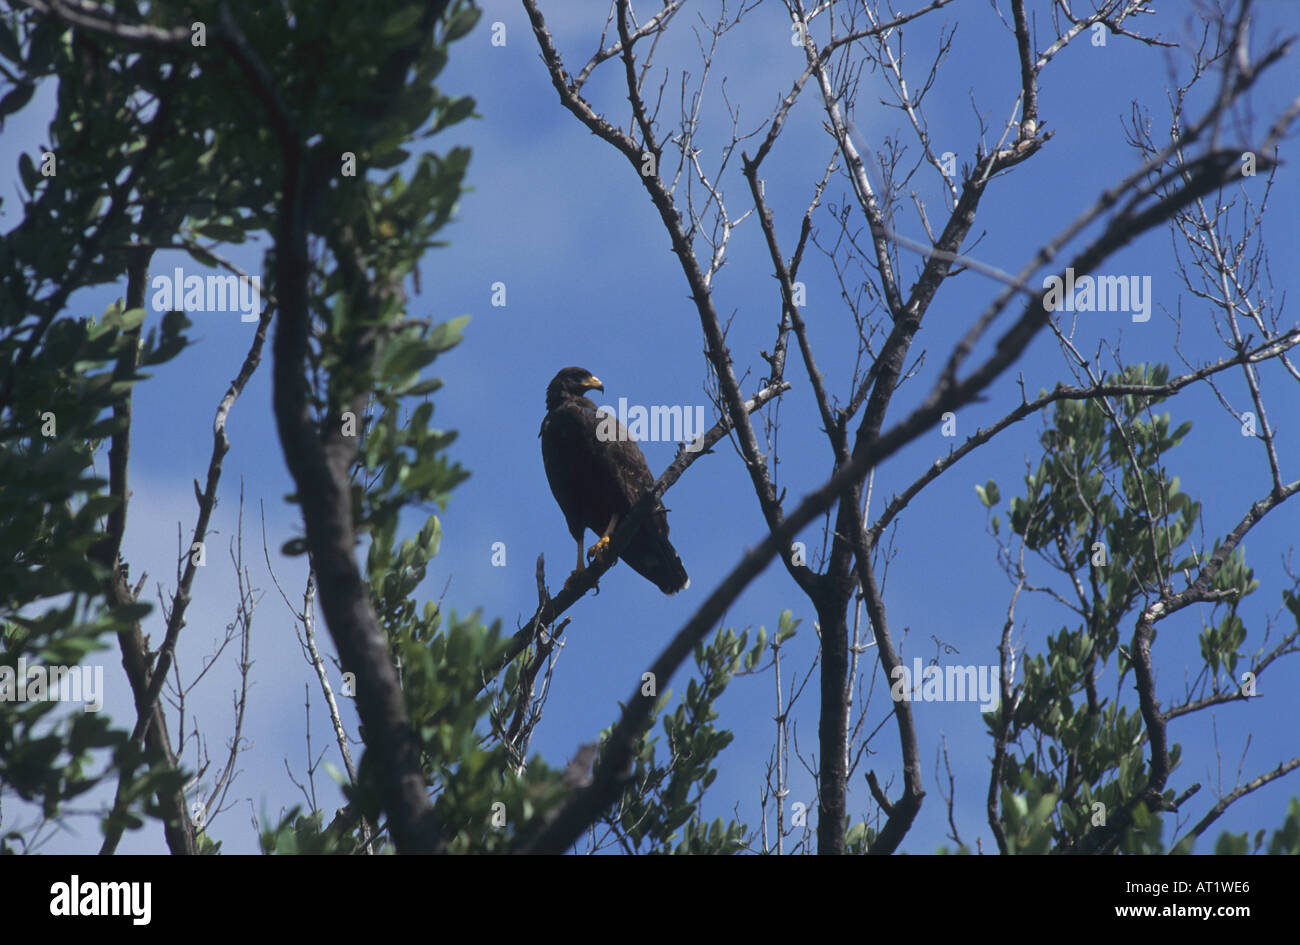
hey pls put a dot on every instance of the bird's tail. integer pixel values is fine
(651, 555)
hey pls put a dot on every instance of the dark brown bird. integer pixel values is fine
(596, 480)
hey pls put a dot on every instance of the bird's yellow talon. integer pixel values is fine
(598, 549)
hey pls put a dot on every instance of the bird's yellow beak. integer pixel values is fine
(593, 383)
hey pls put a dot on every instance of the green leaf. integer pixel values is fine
(294, 547)
(202, 257)
(447, 334)
(402, 21)
(16, 98)
(390, 158)
(222, 232)
(28, 172)
(461, 23)
(454, 113)
(9, 47)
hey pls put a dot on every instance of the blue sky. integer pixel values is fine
(561, 219)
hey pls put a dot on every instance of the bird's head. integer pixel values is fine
(571, 382)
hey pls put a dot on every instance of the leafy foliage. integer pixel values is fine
(660, 810)
(52, 607)
(1074, 756)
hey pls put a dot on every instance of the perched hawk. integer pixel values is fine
(597, 480)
